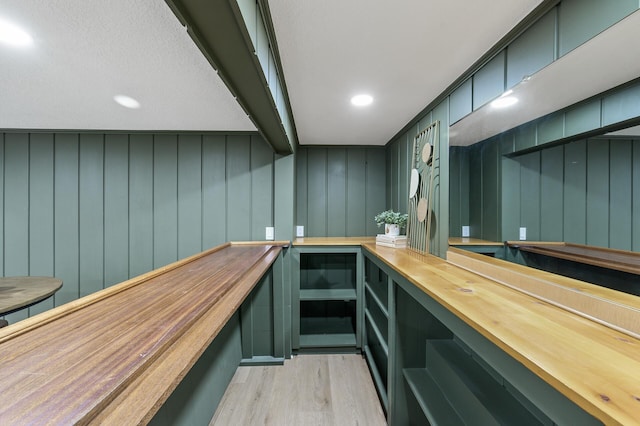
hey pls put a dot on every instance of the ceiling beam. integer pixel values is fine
(217, 28)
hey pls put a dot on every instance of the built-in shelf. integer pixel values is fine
(454, 386)
(374, 296)
(327, 332)
(327, 340)
(328, 294)
(373, 326)
(380, 382)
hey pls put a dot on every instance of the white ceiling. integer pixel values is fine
(87, 51)
(404, 53)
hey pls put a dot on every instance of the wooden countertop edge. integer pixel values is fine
(466, 241)
(333, 241)
(587, 402)
(145, 394)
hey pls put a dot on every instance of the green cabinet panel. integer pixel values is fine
(261, 187)
(475, 191)
(582, 118)
(41, 211)
(284, 196)
(457, 158)
(238, 188)
(337, 191)
(316, 193)
(621, 105)
(116, 209)
(575, 191)
(580, 20)
(165, 200)
(302, 191)
(551, 193)
(510, 198)
(375, 191)
(140, 204)
(550, 128)
(189, 194)
(66, 210)
(532, 50)
(530, 194)
(488, 82)
(620, 194)
(598, 192)
(214, 190)
(356, 219)
(507, 143)
(460, 101)
(91, 199)
(490, 193)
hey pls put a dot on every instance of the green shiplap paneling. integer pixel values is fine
(530, 194)
(375, 189)
(622, 105)
(189, 195)
(575, 192)
(336, 192)
(16, 211)
(456, 161)
(141, 216)
(284, 197)
(550, 128)
(551, 193)
(507, 143)
(488, 82)
(41, 211)
(490, 193)
(116, 209)
(524, 137)
(460, 101)
(214, 191)
(620, 194)
(261, 188)
(635, 205)
(580, 20)
(302, 183)
(165, 202)
(66, 220)
(317, 192)
(582, 118)
(404, 167)
(598, 192)
(532, 50)
(340, 190)
(475, 191)
(510, 198)
(239, 188)
(393, 172)
(356, 191)
(91, 202)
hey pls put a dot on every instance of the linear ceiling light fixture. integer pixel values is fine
(12, 35)
(362, 100)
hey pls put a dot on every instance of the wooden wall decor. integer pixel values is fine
(425, 169)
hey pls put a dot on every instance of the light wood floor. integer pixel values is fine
(308, 390)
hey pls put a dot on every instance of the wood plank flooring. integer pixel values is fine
(308, 390)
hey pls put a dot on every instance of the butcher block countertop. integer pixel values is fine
(595, 366)
(113, 357)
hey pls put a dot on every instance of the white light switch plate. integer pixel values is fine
(523, 234)
(270, 233)
(465, 231)
(299, 231)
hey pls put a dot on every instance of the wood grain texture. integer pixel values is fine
(466, 241)
(307, 390)
(332, 241)
(596, 367)
(70, 365)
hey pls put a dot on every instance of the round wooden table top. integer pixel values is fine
(20, 292)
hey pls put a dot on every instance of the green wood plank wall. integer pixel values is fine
(340, 190)
(95, 209)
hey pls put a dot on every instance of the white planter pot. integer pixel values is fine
(391, 229)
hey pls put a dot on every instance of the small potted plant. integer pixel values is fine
(392, 221)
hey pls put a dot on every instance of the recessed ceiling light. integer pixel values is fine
(362, 100)
(13, 35)
(127, 101)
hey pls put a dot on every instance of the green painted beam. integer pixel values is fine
(218, 29)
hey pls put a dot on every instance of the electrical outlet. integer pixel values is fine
(270, 233)
(299, 231)
(465, 231)
(523, 233)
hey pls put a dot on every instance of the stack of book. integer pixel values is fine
(391, 241)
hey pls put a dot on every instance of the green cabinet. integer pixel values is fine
(327, 299)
